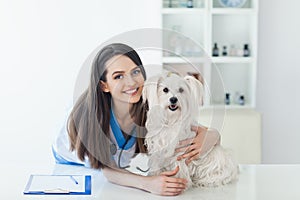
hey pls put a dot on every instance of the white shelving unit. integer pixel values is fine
(197, 30)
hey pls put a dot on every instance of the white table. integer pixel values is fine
(265, 182)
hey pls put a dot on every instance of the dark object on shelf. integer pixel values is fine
(246, 50)
(189, 4)
(215, 51)
(224, 53)
(242, 100)
(170, 4)
(227, 99)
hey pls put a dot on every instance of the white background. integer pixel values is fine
(42, 46)
(44, 43)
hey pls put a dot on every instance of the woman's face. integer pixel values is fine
(124, 80)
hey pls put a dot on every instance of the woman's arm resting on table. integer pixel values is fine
(204, 140)
(162, 184)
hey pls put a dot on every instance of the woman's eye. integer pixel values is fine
(118, 76)
(181, 90)
(136, 72)
(166, 90)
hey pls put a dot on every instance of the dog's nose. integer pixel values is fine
(173, 100)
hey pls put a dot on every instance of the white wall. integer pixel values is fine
(278, 96)
(42, 46)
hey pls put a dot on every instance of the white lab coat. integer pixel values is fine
(63, 155)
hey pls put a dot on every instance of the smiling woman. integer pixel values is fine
(124, 81)
(106, 126)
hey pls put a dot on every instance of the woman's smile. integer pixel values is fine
(132, 92)
(124, 80)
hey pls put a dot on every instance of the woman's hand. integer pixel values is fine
(164, 184)
(204, 140)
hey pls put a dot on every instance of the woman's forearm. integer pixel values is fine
(124, 178)
(212, 138)
(163, 184)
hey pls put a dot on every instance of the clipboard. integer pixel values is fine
(58, 185)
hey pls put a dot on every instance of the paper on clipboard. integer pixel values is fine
(56, 184)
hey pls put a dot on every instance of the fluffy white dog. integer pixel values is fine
(174, 103)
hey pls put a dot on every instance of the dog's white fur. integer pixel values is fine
(168, 124)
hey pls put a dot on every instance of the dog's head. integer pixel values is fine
(179, 97)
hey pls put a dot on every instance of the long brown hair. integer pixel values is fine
(89, 121)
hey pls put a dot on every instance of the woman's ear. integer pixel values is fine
(104, 86)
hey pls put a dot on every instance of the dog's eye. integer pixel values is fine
(181, 90)
(166, 90)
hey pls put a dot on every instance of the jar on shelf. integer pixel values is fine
(189, 4)
(176, 40)
(232, 50)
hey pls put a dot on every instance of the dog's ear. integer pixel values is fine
(150, 90)
(197, 89)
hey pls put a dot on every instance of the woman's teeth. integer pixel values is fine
(131, 91)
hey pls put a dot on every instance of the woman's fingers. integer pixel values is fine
(180, 181)
(190, 151)
(186, 142)
(176, 185)
(171, 173)
(194, 156)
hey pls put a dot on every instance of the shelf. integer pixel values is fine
(229, 59)
(200, 28)
(233, 11)
(213, 59)
(183, 11)
(226, 107)
(183, 60)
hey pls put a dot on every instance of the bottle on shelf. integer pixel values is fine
(170, 4)
(242, 100)
(224, 53)
(246, 51)
(215, 51)
(227, 98)
(189, 4)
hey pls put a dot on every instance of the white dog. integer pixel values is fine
(174, 103)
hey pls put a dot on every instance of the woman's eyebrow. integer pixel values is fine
(118, 72)
(135, 68)
(122, 72)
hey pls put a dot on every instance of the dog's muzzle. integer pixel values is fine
(173, 106)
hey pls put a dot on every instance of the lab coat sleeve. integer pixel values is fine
(61, 148)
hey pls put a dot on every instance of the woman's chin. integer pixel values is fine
(134, 99)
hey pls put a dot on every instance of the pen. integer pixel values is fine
(73, 179)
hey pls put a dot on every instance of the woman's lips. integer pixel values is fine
(132, 92)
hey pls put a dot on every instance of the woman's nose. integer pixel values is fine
(130, 80)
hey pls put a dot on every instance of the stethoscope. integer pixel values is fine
(113, 150)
